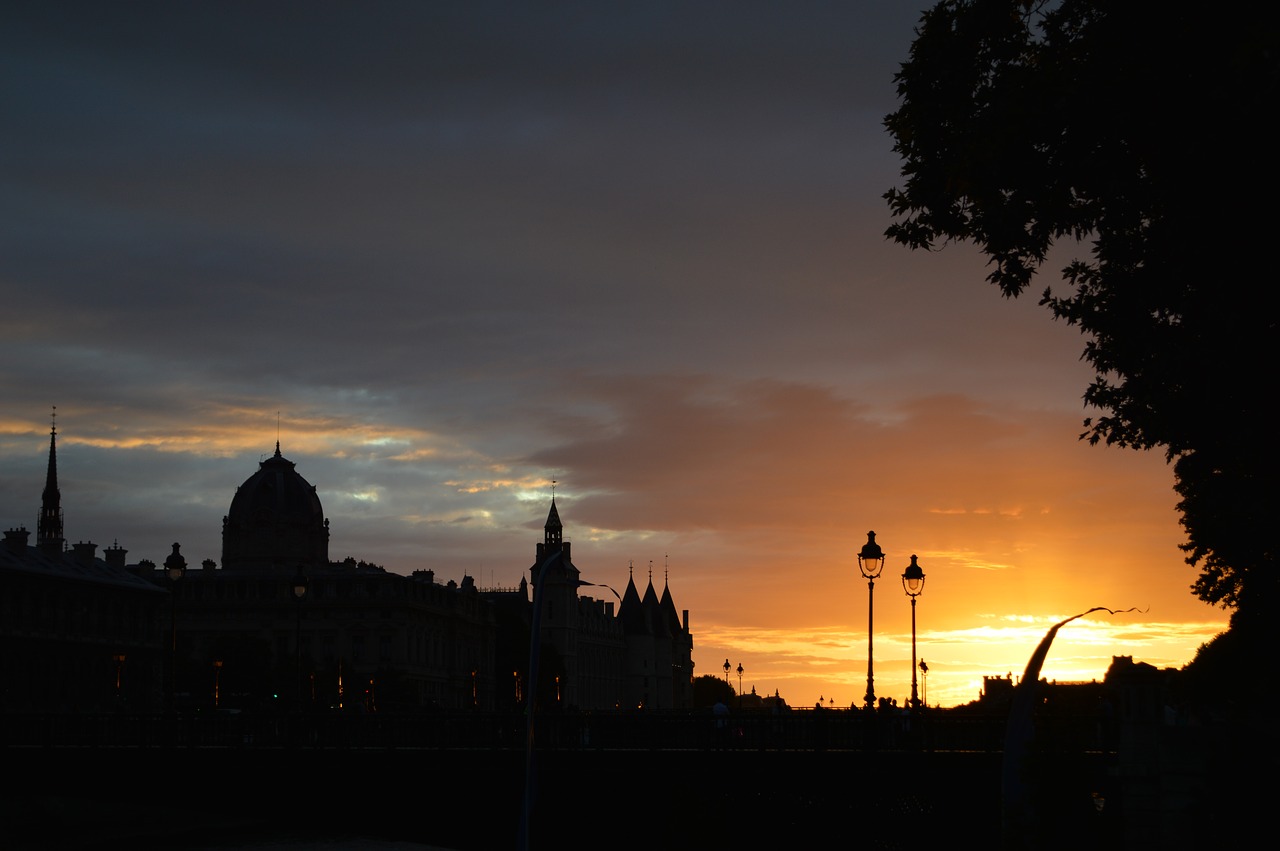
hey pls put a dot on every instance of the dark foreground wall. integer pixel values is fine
(472, 799)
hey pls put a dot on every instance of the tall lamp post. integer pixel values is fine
(118, 658)
(726, 672)
(913, 584)
(924, 682)
(299, 594)
(870, 563)
(217, 682)
(174, 568)
(739, 686)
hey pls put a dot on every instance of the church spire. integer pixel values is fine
(49, 536)
(553, 530)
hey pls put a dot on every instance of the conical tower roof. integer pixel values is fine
(653, 611)
(631, 611)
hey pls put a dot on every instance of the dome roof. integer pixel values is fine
(275, 520)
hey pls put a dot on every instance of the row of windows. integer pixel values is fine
(38, 608)
(385, 587)
(428, 649)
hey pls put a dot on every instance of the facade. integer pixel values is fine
(637, 658)
(278, 625)
(78, 632)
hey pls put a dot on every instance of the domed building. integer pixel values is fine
(283, 624)
(279, 624)
(275, 521)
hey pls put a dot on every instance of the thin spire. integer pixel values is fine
(49, 536)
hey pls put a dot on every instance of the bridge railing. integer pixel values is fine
(653, 730)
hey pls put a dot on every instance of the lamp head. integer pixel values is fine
(871, 557)
(913, 579)
(175, 565)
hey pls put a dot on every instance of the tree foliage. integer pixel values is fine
(1131, 138)
(708, 689)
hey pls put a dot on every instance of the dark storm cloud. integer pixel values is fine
(256, 163)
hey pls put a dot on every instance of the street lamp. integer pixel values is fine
(870, 563)
(174, 568)
(299, 594)
(726, 672)
(118, 658)
(924, 682)
(739, 686)
(913, 584)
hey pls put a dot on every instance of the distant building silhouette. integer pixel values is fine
(78, 633)
(292, 628)
(279, 624)
(275, 521)
(637, 658)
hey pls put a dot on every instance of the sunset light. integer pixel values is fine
(532, 425)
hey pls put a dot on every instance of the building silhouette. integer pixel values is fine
(78, 632)
(638, 656)
(279, 625)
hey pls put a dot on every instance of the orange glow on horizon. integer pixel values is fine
(771, 583)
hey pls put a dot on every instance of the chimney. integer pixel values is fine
(15, 540)
(115, 555)
(84, 553)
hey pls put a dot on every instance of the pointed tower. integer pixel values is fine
(660, 630)
(553, 529)
(49, 537)
(555, 589)
(681, 649)
(638, 634)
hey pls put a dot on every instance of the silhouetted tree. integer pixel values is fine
(707, 689)
(1134, 138)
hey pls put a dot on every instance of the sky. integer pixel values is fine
(449, 254)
